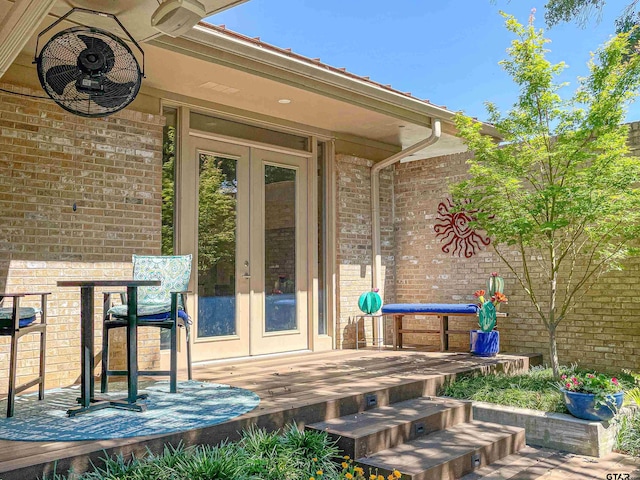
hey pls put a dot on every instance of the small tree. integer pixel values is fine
(559, 197)
(581, 11)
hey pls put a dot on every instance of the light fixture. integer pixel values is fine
(176, 17)
(284, 101)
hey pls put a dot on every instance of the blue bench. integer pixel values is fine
(442, 310)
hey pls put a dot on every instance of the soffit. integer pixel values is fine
(238, 89)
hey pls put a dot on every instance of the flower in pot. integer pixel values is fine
(591, 396)
(485, 342)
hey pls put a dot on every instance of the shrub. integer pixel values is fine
(259, 455)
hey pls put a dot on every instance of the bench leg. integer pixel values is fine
(397, 332)
(444, 336)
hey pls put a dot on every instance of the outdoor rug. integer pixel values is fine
(195, 405)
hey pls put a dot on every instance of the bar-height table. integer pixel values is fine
(87, 399)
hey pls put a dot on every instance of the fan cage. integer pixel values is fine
(108, 90)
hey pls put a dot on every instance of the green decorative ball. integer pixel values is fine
(369, 302)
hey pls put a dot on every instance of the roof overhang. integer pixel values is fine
(230, 72)
(360, 107)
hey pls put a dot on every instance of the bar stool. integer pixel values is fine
(15, 322)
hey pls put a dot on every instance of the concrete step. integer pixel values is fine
(381, 428)
(537, 463)
(447, 454)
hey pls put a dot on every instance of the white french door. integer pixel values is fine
(249, 239)
(278, 284)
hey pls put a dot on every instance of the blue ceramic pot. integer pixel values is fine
(583, 405)
(484, 344)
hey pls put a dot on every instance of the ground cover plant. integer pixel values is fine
(628, 439)
(258, 455)
(537, 389)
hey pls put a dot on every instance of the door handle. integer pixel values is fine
(246, 275)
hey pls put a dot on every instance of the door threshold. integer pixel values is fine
(250, 358)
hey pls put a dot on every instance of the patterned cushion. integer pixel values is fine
(157, 311)
(27, 316)
(149, 313)
(173, 271)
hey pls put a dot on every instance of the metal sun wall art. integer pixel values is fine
(452, 229)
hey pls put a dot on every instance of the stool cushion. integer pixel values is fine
(148, 312)
(27, 316)
(437, 308)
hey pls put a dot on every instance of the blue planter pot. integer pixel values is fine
(582, 405)
(484, 344)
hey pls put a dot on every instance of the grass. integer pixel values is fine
(536, 389)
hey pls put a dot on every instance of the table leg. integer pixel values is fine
(86, 326)
(132, 344)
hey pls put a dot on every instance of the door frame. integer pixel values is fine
(186, 201)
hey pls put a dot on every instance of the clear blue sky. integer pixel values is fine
(445, 51)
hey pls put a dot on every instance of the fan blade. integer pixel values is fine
(115, 94)
(60, 76)
(96, 44)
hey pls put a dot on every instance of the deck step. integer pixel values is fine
(366, 433)
(448, 454)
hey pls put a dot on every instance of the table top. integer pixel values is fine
(109, 283)
(26, 294)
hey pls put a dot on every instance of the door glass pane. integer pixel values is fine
(217, 221)
(280, 248)
(223, 126)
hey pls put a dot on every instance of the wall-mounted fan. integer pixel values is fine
(88, 71)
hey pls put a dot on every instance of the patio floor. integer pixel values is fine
(303, 388)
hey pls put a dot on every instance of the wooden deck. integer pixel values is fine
(304, 388)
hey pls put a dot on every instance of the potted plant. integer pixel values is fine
(485, 342)
(592, 396)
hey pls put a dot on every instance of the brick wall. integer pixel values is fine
(354, 243)
(78, 196)
(603, 332)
